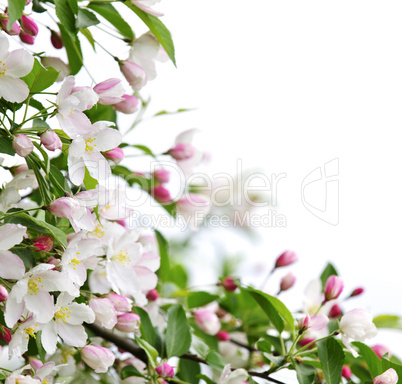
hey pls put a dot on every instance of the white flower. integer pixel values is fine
(388, 377)
(85, 151)
(19, 342)
(235, 377)
(12, 266)
(72, 101)
(146, 5)
(67, 323)
(14, 65)
(105, 312)
(32, 293)
(358, 325)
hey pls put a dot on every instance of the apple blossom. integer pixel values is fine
(22, 144)
(145, 5)
(182, 151)
(235, 377)
(67, 323)
(120, 303)
(285, 259)
(358, 325)
(333, 287)
(165, 370)
(193, 208)
(71, 102)
(128, 322)
(31, 293)
(58, 65)
(16, 377)
(388, 377)
(110, 91)
(27, 38)
(13, 66)
(315, 323)
(12, 266)
(15, 28)
(20, 338)
(85, 151)
(287, 281)
(105, 313)
(115, 154)
(161, 194)
(207, 321)
(51, 140)
(134, 74)
(128, 105)
(98, 358)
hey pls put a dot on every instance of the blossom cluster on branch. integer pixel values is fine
(88, 295)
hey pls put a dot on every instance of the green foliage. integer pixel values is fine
(15, 9)
(40, 78)
(369, 356)
(327, 272)
(107, 11)
(129, 371)
(388, 321)
(199, 299)
(26, 255)
(178, 336)
(386, 364)
(305, 373)
(146, 328)
(6, 146)
(331, 356)
(65, 11)
(85, 19)
(151, 352)
(73, 48)
(188, 371)
(157, 28)
(164, 269)
(215, 360)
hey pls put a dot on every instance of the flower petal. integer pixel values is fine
(40, 304)
(11, 234)
(13, 90)
(12, 266)
(19, 63)
(73, 335)
(4, 46)
(80, 313)
(49, 337)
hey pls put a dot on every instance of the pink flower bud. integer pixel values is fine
(285, 259)
(19, 169)
(45, 241)
(98, 358)
(5, 334)
(388, 377)
(357, 292)
(3, 294)
(152, 295)
(56, 40)
(380, 350)
(315, 323)
(223, 336)
(15, 29)
(164, 370)
(182, 151)
(307, 340)
(115, 154)
(51, 140)
(161, 175)
(288, 281)
(161, 194)
(26, 38)
(120, 303)
(335, 312)
(229, 284)
(39, 247)
(333, 287)
(128, 105)
(105, 313)
(128, 322)
(346, 372)
(207, 321)
(110, 91)
(35, 363)
(63, 207)
(29, 26)
(134, 74)
(22, 145)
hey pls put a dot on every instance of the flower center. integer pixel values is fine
(88, 144)
(75, 262)
(33, 287)
(30, 331)
(3, 70)
(121, 257)
(61, 314)
(98, 232)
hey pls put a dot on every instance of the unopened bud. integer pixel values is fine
(26, 38)
(161, 194)
(128, 105)
(22, 145)
(14, 30)
(207, 321)
(229, 284)
(152, 295)
(287, 281)
(285, 259)
(56, 40)
(165, 370)
(43, 243)
(335, 312)
(128, 322)
(346, 372)
(3, 294)
(380, 350)
(29, 26)
(182, 151)
(333, 287)
(51, 140)
(223, 336)
(115, 154)
(5, 334)
(356, 292)
(161, 176)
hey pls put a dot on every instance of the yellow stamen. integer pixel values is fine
(2, 69)
(121, 257)
(89, 148)
(61, 314)
(33, 287)
(98, 232)
(30, 331)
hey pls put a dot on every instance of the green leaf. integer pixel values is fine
(34, 163)
(199, 299)
(6, 146)
(178, 336)
(129, 371)
(15, 9)
(273, 308)
(157, 28)
(144, 149)
(59, 182)
(372, 360)
(388, 321)
(38, 225)
(327, 272)
(73, 48)
(101, 112)
(178, 274)
(89, 181)
(180, 110)
(386, 364)
(40, 78)
(26, 255)
(151, 352)
(41, 350)
(65, 12)
(87, 33)
(85, 19)
(188, 371)
(215, 360)
(206, 379)
(146, 327)
(164, 269)
(37, 7)
(305, 374)
(264, 346)
(331, 355)
(108, 12)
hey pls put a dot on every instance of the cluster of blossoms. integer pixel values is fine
(87, 295)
